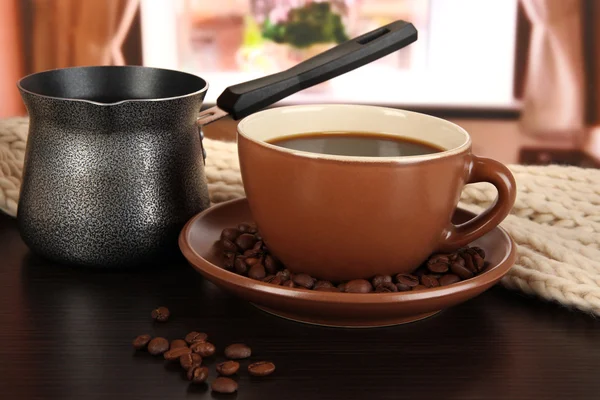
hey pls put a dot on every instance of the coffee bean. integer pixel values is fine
(161, 314)
(229, 261)
(327, 289)
(379, 279)
(158, 346)
(257, 272)
(438, 264)
(303, 280)
(229, 246)
(271, 264)
(197, 374)
(237, 351)
(245, 241)
(190, 360)
(358, 286)
(205, 349)
(429, 281)
(408, 280)
(322, 284)
(402, 287)
(251, 253)
(194, 337)
(177, 343)
(419, 287)
(289, 283)
(261, 368)
(244, 227)
(141, 342)
(228, 368)
(478, 261)
(285, 274)
(342, 287)
(460, 270)
(479, 251)
(174, 354)
(230, 234)
(240, 266)
(251, 261)
(272, 279)
(386, 287)
(449, 279)
(224, 385)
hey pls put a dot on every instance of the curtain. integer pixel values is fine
(69, 33)
(554, 95)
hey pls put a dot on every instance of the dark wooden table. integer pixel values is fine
(66, 334)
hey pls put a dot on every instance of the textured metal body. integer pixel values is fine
(111, 184)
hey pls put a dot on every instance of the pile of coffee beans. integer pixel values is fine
(192, 352)
(245, 253)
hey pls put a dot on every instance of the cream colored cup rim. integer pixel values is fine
(245, 125)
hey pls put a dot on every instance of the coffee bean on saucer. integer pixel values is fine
(289, 283)
(479, 251)
(458, 268)
(402, 287)
(271, 264)
(284, 274)
(342, 287)
(228, 368)
(419, 287)
(251, 253)
(177, 343)
(326, 289)
(358, 286)
(261, 368)
(224, 385)
(158, 346)
(240, 266)
(205, 349)
(141, 342)
(379, 279)
(229, 260)
(449, 279)
(229, 246)
(438, 264)
(230, 234)
(174, 354)
(190, 360)
(386, 287)
(257, 272)
(194, 337)
(250, 261)
(303, 280)
(243, 228)
(407, 279)
(161, 314)
(245, 241)
(237, 351)
(272, 279)
(322, 284)
(429, 281)
(258, 246)
(197, 374)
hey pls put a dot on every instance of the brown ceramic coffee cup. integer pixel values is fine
(347, 217)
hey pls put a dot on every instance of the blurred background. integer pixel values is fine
(523, 76)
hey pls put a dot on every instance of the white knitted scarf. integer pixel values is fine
(555, 220)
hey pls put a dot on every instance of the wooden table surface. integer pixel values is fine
(66, 334)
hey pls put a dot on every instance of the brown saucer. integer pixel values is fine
(199, 236)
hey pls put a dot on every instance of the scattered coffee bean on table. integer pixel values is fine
(190, 360)
(205, 349)
(228, 368)
(194, 337)
(174, 354)
(197, 374)
(261, 368)
(141, 342)
(237, 351)
(178, 343)
(161, 314)
(245, 253)
(158, 346)
(224, 385)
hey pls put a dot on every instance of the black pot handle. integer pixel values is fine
(245, 98)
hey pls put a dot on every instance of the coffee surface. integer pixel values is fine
(361, 144)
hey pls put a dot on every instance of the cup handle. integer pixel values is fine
(496, 173)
